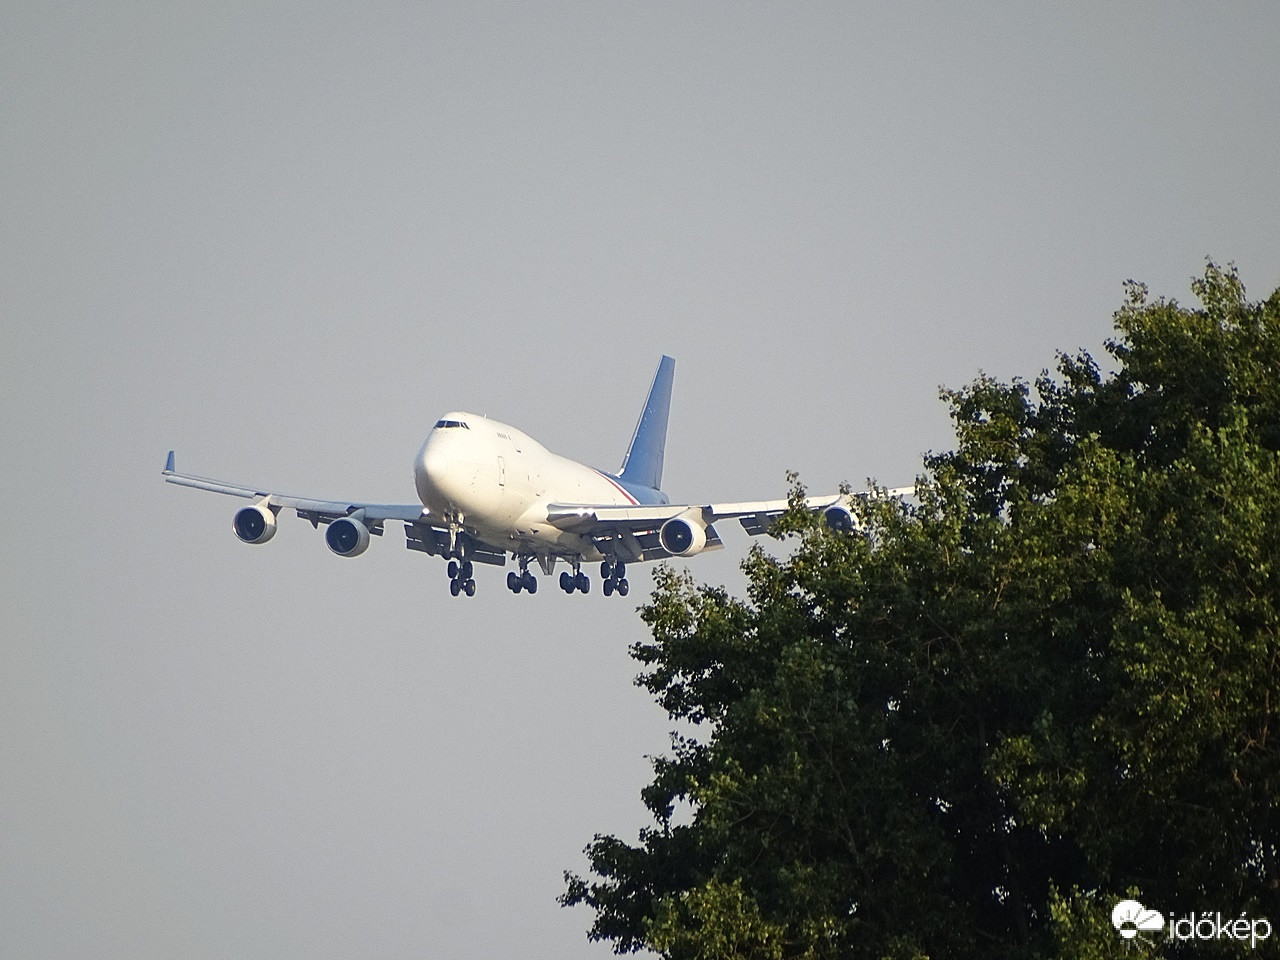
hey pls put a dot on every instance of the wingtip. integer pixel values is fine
(168, 464)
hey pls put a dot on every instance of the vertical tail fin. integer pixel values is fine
(643, 463)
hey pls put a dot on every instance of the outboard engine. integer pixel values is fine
(682, 537)
(839, 518)
(255, 524)
(347, 537)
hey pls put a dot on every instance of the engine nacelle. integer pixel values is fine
(682, 537)
(347, 537)
(839, 518)
(255, 524)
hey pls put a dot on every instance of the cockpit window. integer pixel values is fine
(451, 423)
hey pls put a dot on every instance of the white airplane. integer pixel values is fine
(487, 490)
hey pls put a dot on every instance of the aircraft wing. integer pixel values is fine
(582, 518)
(422, 532)
(632, 531)
(317, 511)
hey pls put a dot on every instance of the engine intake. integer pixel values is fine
(347, 537)
(682, 537)
(255, 524)
(839, 518)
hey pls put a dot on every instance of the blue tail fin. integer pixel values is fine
(643, 463)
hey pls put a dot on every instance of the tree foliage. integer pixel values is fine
(1048, 682)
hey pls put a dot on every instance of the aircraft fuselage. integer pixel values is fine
(496, 481)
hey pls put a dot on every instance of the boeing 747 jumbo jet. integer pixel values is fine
(488, 491)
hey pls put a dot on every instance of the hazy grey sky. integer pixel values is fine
(283, 237)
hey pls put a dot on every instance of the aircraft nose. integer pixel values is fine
(431, 465)
(436, 476)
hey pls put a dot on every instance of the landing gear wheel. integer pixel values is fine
(470, 587)
(453, 569)
(530, 582)
(582, 583)
(566, 581)
(607, 587)
(466, 571)
(514, 582)
(623, 588)
(606, 570)
(455, 587)
(619, 570)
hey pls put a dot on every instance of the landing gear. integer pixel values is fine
(524, 580)
(577, 581)
(614, 574)
(460, 578)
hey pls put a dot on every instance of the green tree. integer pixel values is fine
(1046, 684)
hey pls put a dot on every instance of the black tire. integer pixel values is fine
(531, 583)
(513, 582)
(607, 587)
(467, 571)
(455, 588)
(606, 569)
(566, 581)
(470, 588)
(582, 582)
(623, 588)
(620, 570)
(453, 569)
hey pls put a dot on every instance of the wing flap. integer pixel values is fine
(432, 540)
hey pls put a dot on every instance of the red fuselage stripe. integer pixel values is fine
(622, 490)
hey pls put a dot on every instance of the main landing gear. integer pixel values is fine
(524, 580)
(576, 581)
(461, 579)
(614, 575)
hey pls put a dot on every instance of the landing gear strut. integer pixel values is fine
(614, 575)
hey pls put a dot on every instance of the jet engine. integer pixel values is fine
(839, 518)
(255, 524)
(347, 537)
(682, 537)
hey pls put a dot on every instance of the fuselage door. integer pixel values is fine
(502, 472)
